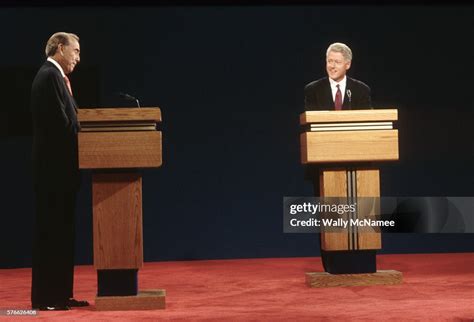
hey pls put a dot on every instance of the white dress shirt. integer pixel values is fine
(57, 65)
(342, 86)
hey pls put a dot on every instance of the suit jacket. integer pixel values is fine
(318, 95)
(55, 126)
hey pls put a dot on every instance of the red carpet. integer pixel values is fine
(436, 287)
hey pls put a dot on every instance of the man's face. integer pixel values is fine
(336, 66)
(69, 55)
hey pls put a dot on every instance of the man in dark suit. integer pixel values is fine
(338, 92)
(327, 93)
(55, 175)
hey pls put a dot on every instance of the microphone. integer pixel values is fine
(129, 98)
(349, 94)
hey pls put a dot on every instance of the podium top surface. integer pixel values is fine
(349, 116)
(152, 114)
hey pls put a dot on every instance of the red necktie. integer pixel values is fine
(338, 100)
(68, 84)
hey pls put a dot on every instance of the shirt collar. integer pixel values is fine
(55, 63)
(342, 83)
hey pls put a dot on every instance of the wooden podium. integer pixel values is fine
(115, 143)
(346, 145)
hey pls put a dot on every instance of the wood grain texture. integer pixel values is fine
(381, 277)
(113, 150)
(334, 184)
(368, 182)
(349, 116)
(368, 185)
(119, 114)
(117, 220)
(145, 300)
(349, 146)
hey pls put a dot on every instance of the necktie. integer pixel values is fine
(68, 84)
(338, 100)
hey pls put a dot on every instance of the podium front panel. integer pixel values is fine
(115, 150)
(349, 146)
(117, 217)
(335, 183)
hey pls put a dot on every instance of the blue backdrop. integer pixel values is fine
(229, 81)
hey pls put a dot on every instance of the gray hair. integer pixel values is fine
(58, 38)
(339, 47)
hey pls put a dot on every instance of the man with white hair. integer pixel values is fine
(337, 91)
(55, 175)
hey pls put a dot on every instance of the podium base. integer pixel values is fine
(381, 277)
(145, 300)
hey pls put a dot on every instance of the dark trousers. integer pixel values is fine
(53, 248)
